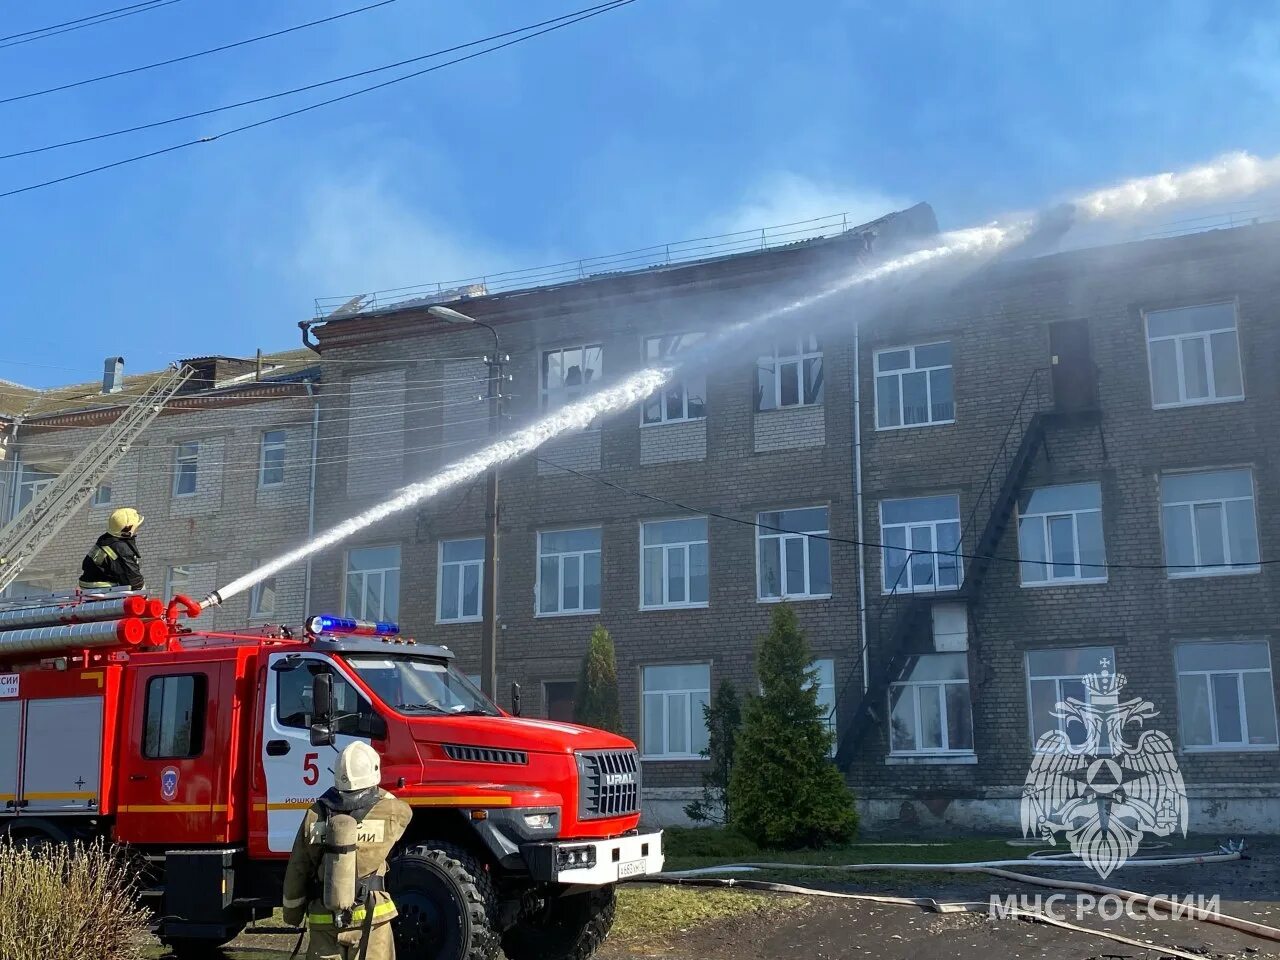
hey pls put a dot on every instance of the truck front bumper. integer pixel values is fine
(595, 863)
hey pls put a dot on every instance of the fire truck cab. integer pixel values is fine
(203, 751)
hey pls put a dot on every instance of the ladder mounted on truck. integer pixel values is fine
(46, 515)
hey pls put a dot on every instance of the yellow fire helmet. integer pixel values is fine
(124, 522)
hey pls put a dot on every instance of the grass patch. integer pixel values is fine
(653, 915)
(688, 849)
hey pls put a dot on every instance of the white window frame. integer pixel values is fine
(255, 598)
(907, 585)
(441, 563)
(273, 445)
(666, 549)
(1236, 570)
(808, 348)
(688, 694)
(582, 578)
(1078, 574)
(945, 720)
(1179, 340)
(172, 583)
(362, 614)
(554, 398)
(928, 381)
(186, 453)
(1225, 746)
(1058, 679)
(783, 537)
(664, 414)
(98, 499)
(36, 486)
(832, 717)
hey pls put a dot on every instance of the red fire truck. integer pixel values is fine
(201, 751)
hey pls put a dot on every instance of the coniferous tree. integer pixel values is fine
(784, 791)
(724, 719)
(596, 701)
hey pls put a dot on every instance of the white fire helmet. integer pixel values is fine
(359, 768)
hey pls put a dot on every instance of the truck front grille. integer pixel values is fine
(609, 783)
(459, 751)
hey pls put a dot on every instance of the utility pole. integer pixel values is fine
(489, 581)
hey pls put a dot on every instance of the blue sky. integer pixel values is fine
(666, 119)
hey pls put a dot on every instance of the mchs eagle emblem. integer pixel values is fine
(1101, 780)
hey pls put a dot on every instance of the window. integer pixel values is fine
(1060, 535)
(1225, 696)
(1194, 354)
(173, 717)
(461, 580)
(914, 386)
(262, 599)
(186, 465)
(674, 725)
(271, 459)
(825, 682)
(559, 699)
(294, 706)
(790, 376)
(1209, 523)
(373, 583)
(567, 374)
(683, 397)
(569, 571)
(31, 484)
(791, 561)
(673, 563)
(102, 495)
(921, 539)
(177, 580)
(930, 710)
(1055, 676)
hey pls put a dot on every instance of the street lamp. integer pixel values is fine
(489, 640)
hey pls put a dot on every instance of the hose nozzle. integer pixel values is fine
(212, 600)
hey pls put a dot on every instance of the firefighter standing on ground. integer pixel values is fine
(114, 560)
(339, 859)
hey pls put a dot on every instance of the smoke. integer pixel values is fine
(1231, 175)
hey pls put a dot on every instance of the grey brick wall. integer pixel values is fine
(789, 428)
(670, 442)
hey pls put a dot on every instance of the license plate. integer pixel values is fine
(634, 868)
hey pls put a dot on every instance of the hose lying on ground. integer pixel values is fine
(993, 868)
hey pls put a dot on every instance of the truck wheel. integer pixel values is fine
(184, 948)
(446, 906)
(563, 928)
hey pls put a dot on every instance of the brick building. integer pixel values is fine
(1067, 515)
(222, 478)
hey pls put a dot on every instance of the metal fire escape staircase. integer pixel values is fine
(45, 516)
(911, 633)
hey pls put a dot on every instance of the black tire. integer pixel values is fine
(564, 928)
(37, 833)
(445, 904)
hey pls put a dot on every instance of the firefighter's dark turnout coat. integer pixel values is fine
(383, 820)
(113, 562)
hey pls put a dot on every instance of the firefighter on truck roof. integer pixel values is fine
(335, 876)
(114, 560)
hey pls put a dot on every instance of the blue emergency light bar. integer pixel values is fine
(344, 626)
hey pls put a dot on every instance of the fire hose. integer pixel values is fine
(994, 868)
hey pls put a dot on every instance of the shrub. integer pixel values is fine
(784, 789)
(596, 703)
(724, 718)
(59, 902)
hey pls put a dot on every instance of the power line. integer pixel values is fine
(554, 24)
(192, 56)
(910, 551)
(53, 30)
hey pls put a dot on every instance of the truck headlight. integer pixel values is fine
(539, 821)
(576, 858)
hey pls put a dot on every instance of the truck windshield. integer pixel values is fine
(415, 685)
